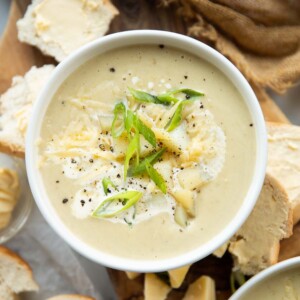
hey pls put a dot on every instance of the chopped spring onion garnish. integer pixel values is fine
(156, 177)
(143, 96)
(106, 182)
(189, 93)
(141, 167)
(119, 115)
(237, 279)
(129, 122)
(170, 97)
(145, 131)
(133, 148)
(122, 201)
(175, 120)
(167, 99)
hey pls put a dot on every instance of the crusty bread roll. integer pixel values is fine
(15, 275)
(58, 27)
(284, 160)
(15, 108)
(256, 244)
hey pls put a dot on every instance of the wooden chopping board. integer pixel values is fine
(16, 58)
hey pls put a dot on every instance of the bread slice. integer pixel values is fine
(71, 297)
(15, 275)
(256, 244)
(284, 160)
(58, 27)
(15, 108)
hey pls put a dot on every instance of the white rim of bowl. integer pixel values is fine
(139, 37)
(269, 272)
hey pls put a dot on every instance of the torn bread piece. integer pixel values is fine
(58, 27)
(256, 244)
(15, 275)
(155, 288)
(203, 288)
(15, 108)
(71, 297)
(284, 160)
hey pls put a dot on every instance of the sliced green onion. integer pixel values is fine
(142, 96)
(106, 182)
(175, 119)
(156, 177)
(141, 167)
(133, 121)
(167, 99)
(133, 148)
(237, 279)
(119, 112)
(188, 92)
(129, 121)
(170, 97)
(145, 131)
(125, 199)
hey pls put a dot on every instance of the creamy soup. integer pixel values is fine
(147, 152)
(282, 286)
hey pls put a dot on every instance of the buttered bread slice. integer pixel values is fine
(58, 27)
(256, 244)
(284, 161)
(15, 108)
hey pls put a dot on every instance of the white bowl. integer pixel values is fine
(118, 40)
(260, 278)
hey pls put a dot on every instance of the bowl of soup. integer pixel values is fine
(278, 282)
(146, 150)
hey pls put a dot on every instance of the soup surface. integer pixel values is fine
(201, 175)
(282, 286)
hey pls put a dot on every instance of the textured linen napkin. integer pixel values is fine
(262, 38)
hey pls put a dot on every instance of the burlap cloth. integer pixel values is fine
(262, 38)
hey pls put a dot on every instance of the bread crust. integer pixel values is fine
(28, 33)
(246, 242)
(281, 192)
(11, 149)
(16, 105)
(10, 255)
(295, 201)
